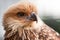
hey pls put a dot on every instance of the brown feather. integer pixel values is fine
(45, 33)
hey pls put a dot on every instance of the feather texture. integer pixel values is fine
(46, 33)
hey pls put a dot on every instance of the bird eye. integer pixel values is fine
(19, 14)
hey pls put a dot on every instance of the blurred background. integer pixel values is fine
(49, 12)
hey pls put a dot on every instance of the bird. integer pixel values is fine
(22, 22)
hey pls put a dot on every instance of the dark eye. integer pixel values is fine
(19, 14)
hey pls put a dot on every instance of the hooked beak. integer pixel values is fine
(32, 17)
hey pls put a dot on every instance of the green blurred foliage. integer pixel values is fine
(54, 23)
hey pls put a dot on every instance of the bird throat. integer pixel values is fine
(24, 34)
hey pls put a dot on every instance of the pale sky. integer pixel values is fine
(50, 7)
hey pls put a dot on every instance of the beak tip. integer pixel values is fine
(33, 16)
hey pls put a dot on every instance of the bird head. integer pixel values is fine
(21, 15)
